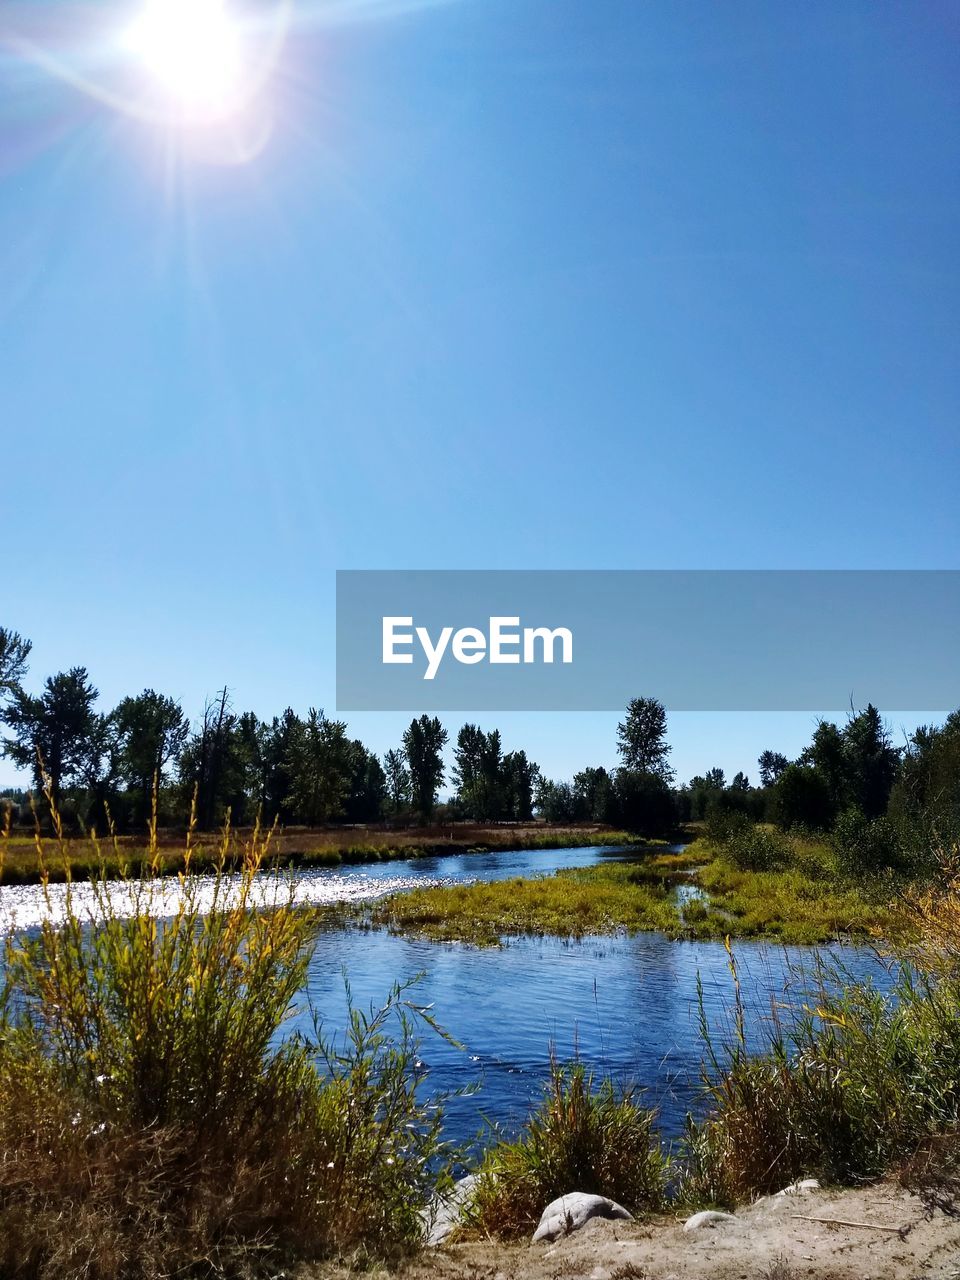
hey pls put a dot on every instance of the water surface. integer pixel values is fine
(626, 1005)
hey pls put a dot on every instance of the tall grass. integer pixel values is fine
(584, 1136)
(155, 1118)
(845, 1086)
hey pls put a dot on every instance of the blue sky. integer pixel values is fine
(511, 284)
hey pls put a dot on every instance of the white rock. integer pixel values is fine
(444, 1212)
(571, 1212)
(801, 1188)
(707, 1218)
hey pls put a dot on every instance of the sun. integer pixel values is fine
(192, 50)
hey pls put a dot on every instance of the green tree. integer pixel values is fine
(368, 786)
(397, 780)
(644, 802)
(704, 791)
(519, 779)
(247, 777)
(220, 763)
(871, 760)
(478, 772)
(926, 795)
(423, 743)
(321, 769)
(827, 754)
(556, 801)
(278, 742)
(52, 733)
(99, 773)
(803, 798)
(772, 764)
(594, 792)
(151, 733)
(14, 653)
(642, 738)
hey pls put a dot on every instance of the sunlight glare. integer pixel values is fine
(192, 49)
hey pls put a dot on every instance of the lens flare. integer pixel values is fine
(193, 51)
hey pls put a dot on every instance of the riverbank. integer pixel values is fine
(881, 1231)
(699, 893)
(114, 1130)
(22, 863)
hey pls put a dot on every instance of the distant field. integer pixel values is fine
(22, 863)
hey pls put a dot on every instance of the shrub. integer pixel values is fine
(843, 1088)
(583, 1137)
(864, 846)
(156, 1120)
(755, 848)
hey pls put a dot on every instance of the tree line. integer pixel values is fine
(307, 770)
(104, 766)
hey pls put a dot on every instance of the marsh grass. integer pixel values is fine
(804, 903)
(802, 899)
(156, 1120)
(575, 903)
(845, 1085)
(584, 1136)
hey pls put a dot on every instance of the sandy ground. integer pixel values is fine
(767, 1242)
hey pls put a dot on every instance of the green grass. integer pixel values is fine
(846, 1087)
(569, 903)
(807, 902)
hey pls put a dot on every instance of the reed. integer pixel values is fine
(585, 1136)
(159, 1118)
(844, 1086)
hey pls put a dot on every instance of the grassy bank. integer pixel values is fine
(156, 1120)
(807, 901)
(24, 862)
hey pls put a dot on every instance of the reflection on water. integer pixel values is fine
(27, 906)
(627, 1005)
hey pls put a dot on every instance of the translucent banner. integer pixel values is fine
(699, 640)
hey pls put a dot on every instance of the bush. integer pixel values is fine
(758, 849)
(582, 1138)
(866, 847)
(848, 1085)
(156, 1121)
(722, 824)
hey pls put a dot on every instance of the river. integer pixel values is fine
(626, 1005)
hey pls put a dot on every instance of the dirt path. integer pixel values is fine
(766, 1242)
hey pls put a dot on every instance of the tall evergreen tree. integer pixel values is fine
(642, 738)
(423, 743)
(397, 780)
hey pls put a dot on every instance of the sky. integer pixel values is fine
(488, 284)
